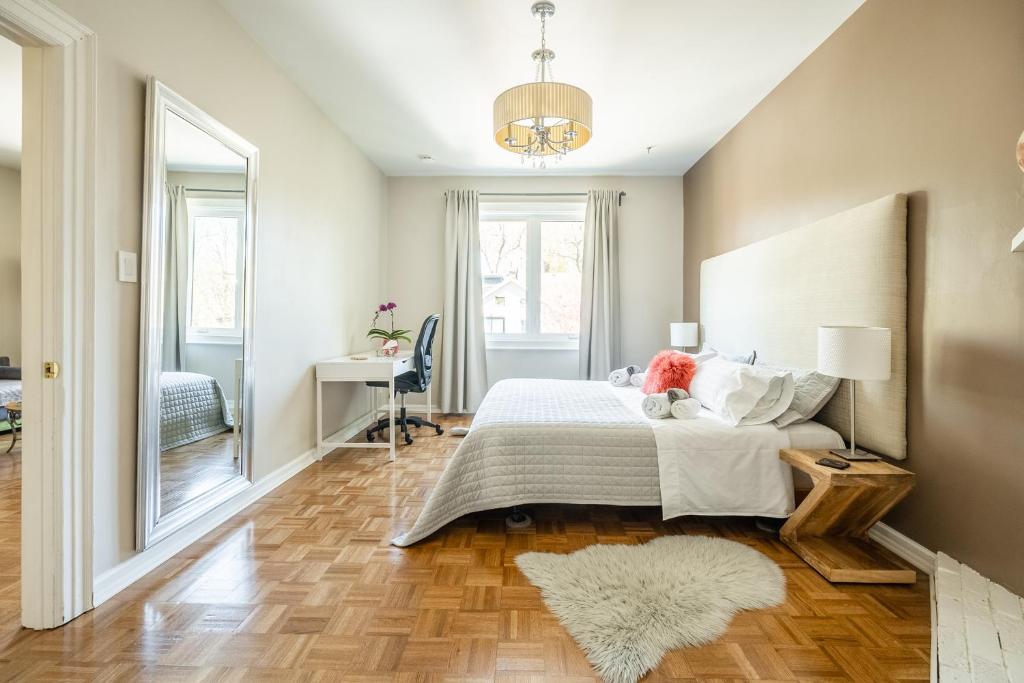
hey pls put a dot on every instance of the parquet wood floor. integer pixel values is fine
(303, 586)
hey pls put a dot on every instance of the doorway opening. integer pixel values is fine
(10, 333)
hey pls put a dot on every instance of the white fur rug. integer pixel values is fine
(627, 605)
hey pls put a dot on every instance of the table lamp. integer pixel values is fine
(854, 353)
(683, 334)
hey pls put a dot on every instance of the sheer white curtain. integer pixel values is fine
(463, 354)
(175, 280)
(599, 306)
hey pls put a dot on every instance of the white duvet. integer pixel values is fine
(566, 441)
(708, 467)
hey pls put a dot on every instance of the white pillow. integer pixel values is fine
(775, 402)
(811, 392)
(741, 394)
(743, 358)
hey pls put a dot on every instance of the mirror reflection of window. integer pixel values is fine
(215, 269)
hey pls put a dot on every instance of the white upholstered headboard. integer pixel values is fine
(850, 269)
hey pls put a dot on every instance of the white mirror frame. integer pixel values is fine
(151, 526)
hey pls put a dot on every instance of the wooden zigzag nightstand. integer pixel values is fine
(829, 528)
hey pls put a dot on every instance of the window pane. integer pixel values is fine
(503, 269)
(214, 272)
(561, 271)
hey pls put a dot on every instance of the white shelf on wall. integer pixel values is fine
(1018, 242)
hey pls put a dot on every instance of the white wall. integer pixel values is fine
(650, 249)
(10, 264)
(321, 219)
(215, 360)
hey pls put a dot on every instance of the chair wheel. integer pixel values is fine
(439, 430)
(369, 436)
(408, 440)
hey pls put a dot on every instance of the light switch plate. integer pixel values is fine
(127, 266)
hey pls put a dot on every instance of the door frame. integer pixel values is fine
(58, 311)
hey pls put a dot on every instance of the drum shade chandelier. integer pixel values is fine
(544, 118)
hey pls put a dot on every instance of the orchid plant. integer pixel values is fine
(382, 334)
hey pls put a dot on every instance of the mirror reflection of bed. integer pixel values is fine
(201, 352)
(199, 442)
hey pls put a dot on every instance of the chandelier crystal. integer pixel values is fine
(544, 118)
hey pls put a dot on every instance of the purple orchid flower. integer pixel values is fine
(391, 305)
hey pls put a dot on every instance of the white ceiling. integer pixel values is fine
(187, 148)
(10, 104)
(405, 78)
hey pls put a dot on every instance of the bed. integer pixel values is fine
(192, 407)
(10, 390)
(565, 441)
(558, 441)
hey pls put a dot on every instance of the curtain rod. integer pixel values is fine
(540, 194)
(210, 189)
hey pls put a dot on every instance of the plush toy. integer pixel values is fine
(669, 370)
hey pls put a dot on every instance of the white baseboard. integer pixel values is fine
(903, 547)
(116, 579)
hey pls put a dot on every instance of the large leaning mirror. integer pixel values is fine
(197, 275)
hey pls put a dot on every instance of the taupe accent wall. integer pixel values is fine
(924, 97)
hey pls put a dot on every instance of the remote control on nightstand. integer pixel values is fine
(834, 464)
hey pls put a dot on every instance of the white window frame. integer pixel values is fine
(215, 208)
(534, 215)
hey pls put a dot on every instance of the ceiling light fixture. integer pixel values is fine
(543, 118)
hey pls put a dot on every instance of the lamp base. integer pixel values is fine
(857, 455)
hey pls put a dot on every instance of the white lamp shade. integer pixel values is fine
(855, 352)
(683, 334)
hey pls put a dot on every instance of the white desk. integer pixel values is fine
(346, 369)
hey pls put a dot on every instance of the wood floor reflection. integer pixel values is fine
(303, 586)
(187, 472)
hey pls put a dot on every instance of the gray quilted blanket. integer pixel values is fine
(192, 407)
(545, 441)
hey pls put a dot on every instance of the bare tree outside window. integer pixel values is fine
(503, 268)
(503, 249)
(214, 272)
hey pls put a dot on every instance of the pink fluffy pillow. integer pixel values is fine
(669, 370)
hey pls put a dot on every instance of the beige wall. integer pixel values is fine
(650, 251)
(321, 218)
(924, 97)
(10, 264)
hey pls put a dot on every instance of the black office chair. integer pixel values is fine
(415, 381)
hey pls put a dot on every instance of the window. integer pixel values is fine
(531, 262)
(215, 266)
